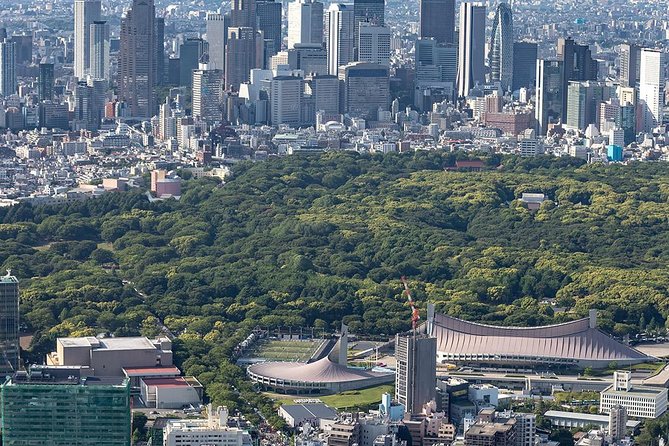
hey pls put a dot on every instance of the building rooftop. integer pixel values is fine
(178, 381)
(636, 391)
(315, 410)
(151, 371)
(8, 278)
(489, 429)
(587, 417)
(121, 343)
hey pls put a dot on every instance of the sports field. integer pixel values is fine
(276, 350)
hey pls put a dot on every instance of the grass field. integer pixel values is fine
(354, 399)
(275, 350)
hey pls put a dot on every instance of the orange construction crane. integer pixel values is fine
(415, 316)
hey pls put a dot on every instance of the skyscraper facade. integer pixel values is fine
(340, 36)
(240, 55)
(286, 100)
(305, 22)
(7, 67)
(501, 47)
(190, 54)
(651, 87)
(85, 13)
(160, 51)
(368, 11)
(208, 94)
(374, 43)
(99, 50)
(366, 89)
(216, 38)
(437, 20)
(577, 65)
(45, 82)
(269, 22)
(9, 324)
(416, 373)
(524, 65)
(137, 61)
(630, 64)
(60, 407)
(471, 51)
(548, 108)
(583, 104)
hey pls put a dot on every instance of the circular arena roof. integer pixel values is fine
(321, 371)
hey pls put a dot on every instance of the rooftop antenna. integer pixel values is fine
(415, 315)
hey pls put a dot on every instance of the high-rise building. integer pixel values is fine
(437, 20)
(305, 22)
(99, 50)
(339, 36)
(7, 67)
(269, 22)
(208, 94)
(286, 97)
(137, 72)
(471, 51)
(190, 55)
(651, 87)
(583, 104)
(65, 407)
(577, 65)
(45, 82)
(524, 65)
(85, 13)
(310, 58)
(24, 48)
(548, 109)
(630, 64)
(240, 55)
(325, 93)
(216, 38)
(160, 51)
(501, 47)
(368, 11)
(83, 107)
(244, 47)
(9, 324)
(436, 62)
(618, 423)
(374, 43)
(416, 373)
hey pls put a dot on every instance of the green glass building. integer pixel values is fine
(59, 407)
(9, 325)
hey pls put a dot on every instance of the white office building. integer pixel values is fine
(85, 13)
(286, 99)
(340, 36)
(639, 401)
(213, 431)
(208, 93)
(651, 87)
(471, 52)
(305, 22)
(374, 43)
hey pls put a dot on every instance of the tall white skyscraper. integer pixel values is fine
(286, 97)
(373, 43)
(99, 51)
(216, 37)
(471, 51)
(340, 36)
(7, 67)
(651, 87)
(305, 22)
(85, 13)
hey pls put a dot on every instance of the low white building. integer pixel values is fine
(640, 401)
(213, 431)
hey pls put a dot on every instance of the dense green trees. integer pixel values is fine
(314, 240)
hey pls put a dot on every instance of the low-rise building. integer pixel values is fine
(312, 413)
(640, 401)
(213, 431)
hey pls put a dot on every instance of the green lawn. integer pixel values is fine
(354, 399)
(361, 399)
(275, 350)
